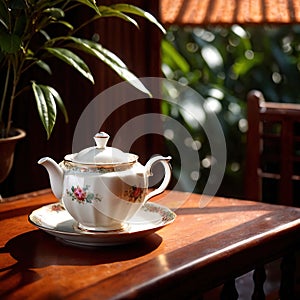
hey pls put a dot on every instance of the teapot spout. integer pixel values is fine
(55, 174)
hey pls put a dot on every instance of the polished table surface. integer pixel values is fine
(202, 248)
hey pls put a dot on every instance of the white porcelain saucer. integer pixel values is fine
(55, 220)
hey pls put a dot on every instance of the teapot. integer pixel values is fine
(102, 187)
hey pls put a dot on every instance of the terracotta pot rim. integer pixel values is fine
(20, 133)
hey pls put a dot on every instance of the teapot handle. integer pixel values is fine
(165, 162)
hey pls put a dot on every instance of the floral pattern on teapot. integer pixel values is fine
(82, 195)
(135, 194)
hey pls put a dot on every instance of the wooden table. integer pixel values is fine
(203, 248)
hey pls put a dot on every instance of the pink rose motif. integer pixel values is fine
(82, 195)
(79, 193)
(137, 192)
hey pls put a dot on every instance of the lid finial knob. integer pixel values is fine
(101, 140)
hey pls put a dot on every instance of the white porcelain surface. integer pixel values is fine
(55, 220)
(103, 202)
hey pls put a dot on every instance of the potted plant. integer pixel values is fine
(31, 32)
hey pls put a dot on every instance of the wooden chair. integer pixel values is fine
(272, 151)
(273, 169)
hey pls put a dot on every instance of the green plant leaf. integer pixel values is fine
(10, 43)
(55, 12)
(242, 65)
(109, 58)
(40, 5)
(174, 57)
(43, 22)
(66, 24)
(3, 24)
(46, 106)
(129, 8)
(41, 64)
(59, 102)
(93, 48)
(90, 3)
(45, 34)
(73, 60)
(107, 11)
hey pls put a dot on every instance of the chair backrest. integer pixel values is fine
(272, 151)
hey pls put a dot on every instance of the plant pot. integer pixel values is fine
(7, 150)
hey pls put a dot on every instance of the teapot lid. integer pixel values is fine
(101, 154)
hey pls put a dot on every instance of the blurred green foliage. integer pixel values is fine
(223, 64)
